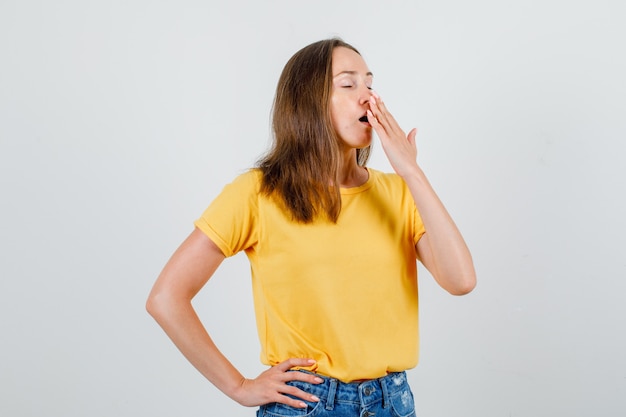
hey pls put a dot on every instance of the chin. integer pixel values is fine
(366, 142)
(358, 142)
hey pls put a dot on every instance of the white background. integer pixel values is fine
(121, 120)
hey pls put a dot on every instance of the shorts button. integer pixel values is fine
(368, 390)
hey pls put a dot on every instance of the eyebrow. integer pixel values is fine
(367, 74)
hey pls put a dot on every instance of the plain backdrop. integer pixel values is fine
(121, 120)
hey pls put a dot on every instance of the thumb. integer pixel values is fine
(411, 136)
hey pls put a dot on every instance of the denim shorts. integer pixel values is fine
(389, 396)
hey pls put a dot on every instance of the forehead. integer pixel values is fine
(346, 60)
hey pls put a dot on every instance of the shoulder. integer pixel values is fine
(248, 182)
(388, 180)
(243, 188)
(391, 187)
(249, 178)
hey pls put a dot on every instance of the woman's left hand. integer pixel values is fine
(400, 149)
(442, 248)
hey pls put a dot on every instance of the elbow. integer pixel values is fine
(151, 305)
(162, 305)
(155, 306)
(463, 286)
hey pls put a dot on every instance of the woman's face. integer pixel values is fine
(349, 99)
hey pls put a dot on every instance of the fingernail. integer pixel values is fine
(318, 380)
(314, 398)
(302, 405)
(311, 361)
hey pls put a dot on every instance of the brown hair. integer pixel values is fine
(302, 165)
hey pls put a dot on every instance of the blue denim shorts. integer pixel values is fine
(389, 396)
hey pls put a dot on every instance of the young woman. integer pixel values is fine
(333, 248)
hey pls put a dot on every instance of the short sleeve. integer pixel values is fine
(230, 221)
(418, 226)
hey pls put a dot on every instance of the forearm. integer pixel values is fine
(444, 252)
(181, 323)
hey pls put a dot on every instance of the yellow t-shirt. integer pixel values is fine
(344, 294)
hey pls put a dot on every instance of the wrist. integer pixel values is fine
(237, 391)
(412, 173)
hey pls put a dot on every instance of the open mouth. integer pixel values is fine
(364, 119)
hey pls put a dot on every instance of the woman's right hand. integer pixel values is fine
(271, 385)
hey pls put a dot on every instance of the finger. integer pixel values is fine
(304, 377)
(383, 114)
(294, 362)
(377, 110)
(299, 394)
(372, 119)
(292, 402)
(384, 132)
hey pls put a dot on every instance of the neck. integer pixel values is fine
(350, 173)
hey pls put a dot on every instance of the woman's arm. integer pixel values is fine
(441, 249)
(169, 302)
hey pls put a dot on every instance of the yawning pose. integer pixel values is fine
(333, 247)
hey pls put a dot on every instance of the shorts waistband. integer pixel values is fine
(332, 391)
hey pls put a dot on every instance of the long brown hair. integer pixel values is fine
(302, 166)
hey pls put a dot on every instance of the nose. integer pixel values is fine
(364, 94)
